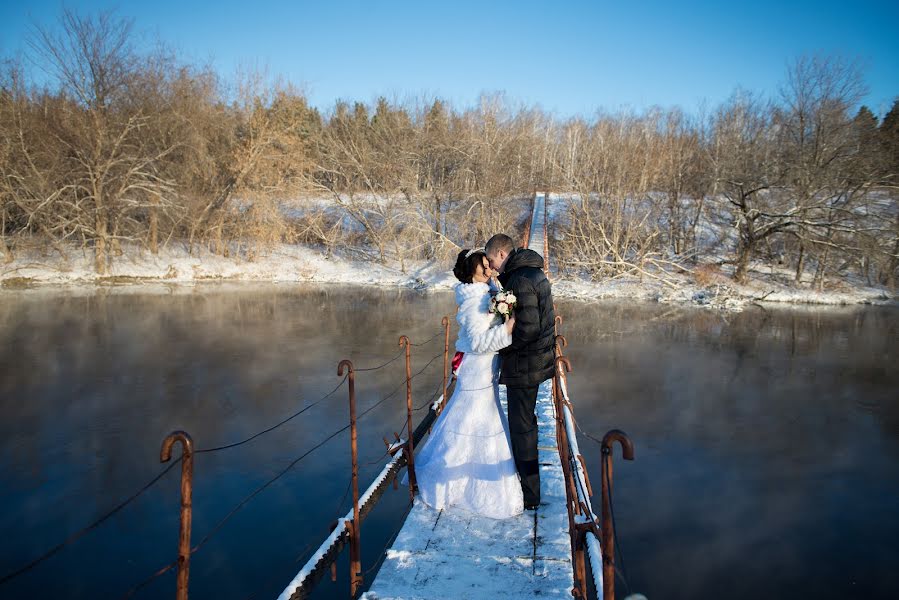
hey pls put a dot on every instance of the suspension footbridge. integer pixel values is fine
(554, 551)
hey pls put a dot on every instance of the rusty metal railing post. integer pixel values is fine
(187, 477)
(608, 524)
(527, 227)
(446, 327)
(354, 529)
(410, 443)
(563, 432)
(545, 234)
(561, 342)
(563, 365)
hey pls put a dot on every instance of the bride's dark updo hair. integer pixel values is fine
(466, 266)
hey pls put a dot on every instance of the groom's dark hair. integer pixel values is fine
(499, 242)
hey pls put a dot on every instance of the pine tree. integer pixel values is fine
(889, 142)
(889, 139)
(865, 124)
(868, 164)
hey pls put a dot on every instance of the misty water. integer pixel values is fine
(767, 442)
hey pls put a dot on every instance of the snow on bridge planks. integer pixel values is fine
(455, 554)
(538, 224)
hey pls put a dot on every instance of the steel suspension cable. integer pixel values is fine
(381, 366)
(103, 518)
(429, 340)
(293, 463)
(308, 546)
(162, 571)
(620, 556)
(399, 387)
(391, 539)
(77, 535)
(305, 408)
(84, 530)
(301, 411)
(275, 426)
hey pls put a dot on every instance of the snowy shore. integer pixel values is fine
(289, 263)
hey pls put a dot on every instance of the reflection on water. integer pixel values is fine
(767, 441)
(766, 447)
(90, 385)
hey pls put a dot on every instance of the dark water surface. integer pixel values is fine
(767, 441)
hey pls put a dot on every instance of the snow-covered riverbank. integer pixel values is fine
(290, 263)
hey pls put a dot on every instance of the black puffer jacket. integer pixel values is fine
(529, 360)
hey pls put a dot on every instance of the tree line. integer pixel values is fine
(128, 149)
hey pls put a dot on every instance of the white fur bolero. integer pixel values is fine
(479, 332)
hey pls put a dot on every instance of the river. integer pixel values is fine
(767, 441)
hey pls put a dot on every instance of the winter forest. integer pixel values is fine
(110, 149)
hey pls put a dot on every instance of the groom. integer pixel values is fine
(529, 360)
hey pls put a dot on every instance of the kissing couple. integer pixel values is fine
(476, 459)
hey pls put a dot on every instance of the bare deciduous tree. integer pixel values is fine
(748, 175)
(129, 148)
(89, 163)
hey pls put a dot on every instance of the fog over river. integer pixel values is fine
(767, 441)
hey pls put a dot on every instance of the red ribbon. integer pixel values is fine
(457, 360)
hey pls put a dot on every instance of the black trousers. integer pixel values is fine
(523, 429)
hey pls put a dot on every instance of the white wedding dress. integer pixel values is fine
(467, 461)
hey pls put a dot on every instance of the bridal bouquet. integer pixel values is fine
(502, 304)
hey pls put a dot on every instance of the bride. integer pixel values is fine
(467, 462)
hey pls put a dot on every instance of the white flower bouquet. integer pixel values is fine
(502, 304)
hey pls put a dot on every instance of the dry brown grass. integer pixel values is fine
(708, 274)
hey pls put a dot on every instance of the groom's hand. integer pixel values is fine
(510, 324)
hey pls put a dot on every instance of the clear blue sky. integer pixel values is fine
(568, 57)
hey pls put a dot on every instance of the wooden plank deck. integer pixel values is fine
(455, 554)
(538, 224)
